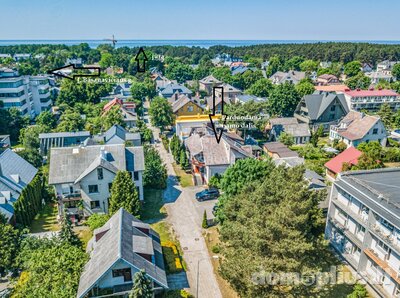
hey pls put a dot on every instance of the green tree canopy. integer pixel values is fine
(9, 244)
(67, 234)
(142, 286)
(160, 112)
(261, 88)
(272, 226)
(352, 69)
(359, 81)
(283, 100)
(155, 173)
(305, 87)
(124, 194)
(51, 268)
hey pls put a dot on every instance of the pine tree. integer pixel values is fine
(67, 234)
(204, 224)
(142, 287)
(124, 194)
(274, 226)
(183, 158)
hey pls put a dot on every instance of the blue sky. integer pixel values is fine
(200, 19)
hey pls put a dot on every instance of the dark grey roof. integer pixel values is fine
(115, 130)
(121, 239)
(67, 164)
(64, 134)
(248, 97)
(15, 174)
(172, 88)
(137, 155)
(316, 104)
(377, 189)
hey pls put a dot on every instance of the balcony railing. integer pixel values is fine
(70, 196)
(382, 264)
(387, 237)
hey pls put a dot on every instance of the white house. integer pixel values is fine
(371, 100)
(83, 175)
(356, 128)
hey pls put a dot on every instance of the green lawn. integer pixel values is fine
(46, 220)
(171, 249)
(184, 178)
(152, 208)
(84, 233)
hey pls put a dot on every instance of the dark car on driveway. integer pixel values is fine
(207, 194)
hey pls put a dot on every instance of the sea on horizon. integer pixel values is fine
(188, 43)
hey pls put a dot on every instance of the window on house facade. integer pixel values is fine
(333, 108)
(136, 176)
(100, 173)
(382, 245)
(109, 186)
(375, 131)
(94, 204)
(190, 108)
(125, 272)
(93, 188)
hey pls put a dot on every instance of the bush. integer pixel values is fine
(204, 224)
(215, 249)
(165, 142)
(97, 220)
(359, 291)
(215, 181)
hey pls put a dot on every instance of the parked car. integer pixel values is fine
(207, 194)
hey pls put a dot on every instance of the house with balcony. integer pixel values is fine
(372, 100)
(356, 128)
(321, 108)
(119, 249)
(363, 226)
(82, 176)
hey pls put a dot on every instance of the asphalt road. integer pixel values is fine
(185, 216)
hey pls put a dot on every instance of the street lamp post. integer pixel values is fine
(198, 272)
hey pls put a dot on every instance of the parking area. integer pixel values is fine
(200, 206)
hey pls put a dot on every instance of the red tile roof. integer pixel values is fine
(109, 105)
(350, 155)
(332, 88)
(366, 93)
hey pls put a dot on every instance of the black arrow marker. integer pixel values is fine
(141, 57)
(217, 134)
(56, 73)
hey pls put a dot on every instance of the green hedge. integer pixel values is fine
(29, 202)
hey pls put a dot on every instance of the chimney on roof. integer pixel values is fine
(103, 153)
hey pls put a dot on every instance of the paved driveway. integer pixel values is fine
(185, 215)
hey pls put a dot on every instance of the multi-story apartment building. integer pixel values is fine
(15, 91)
(371, 100)
(363, 225)
(30, 95)
(40, 89)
